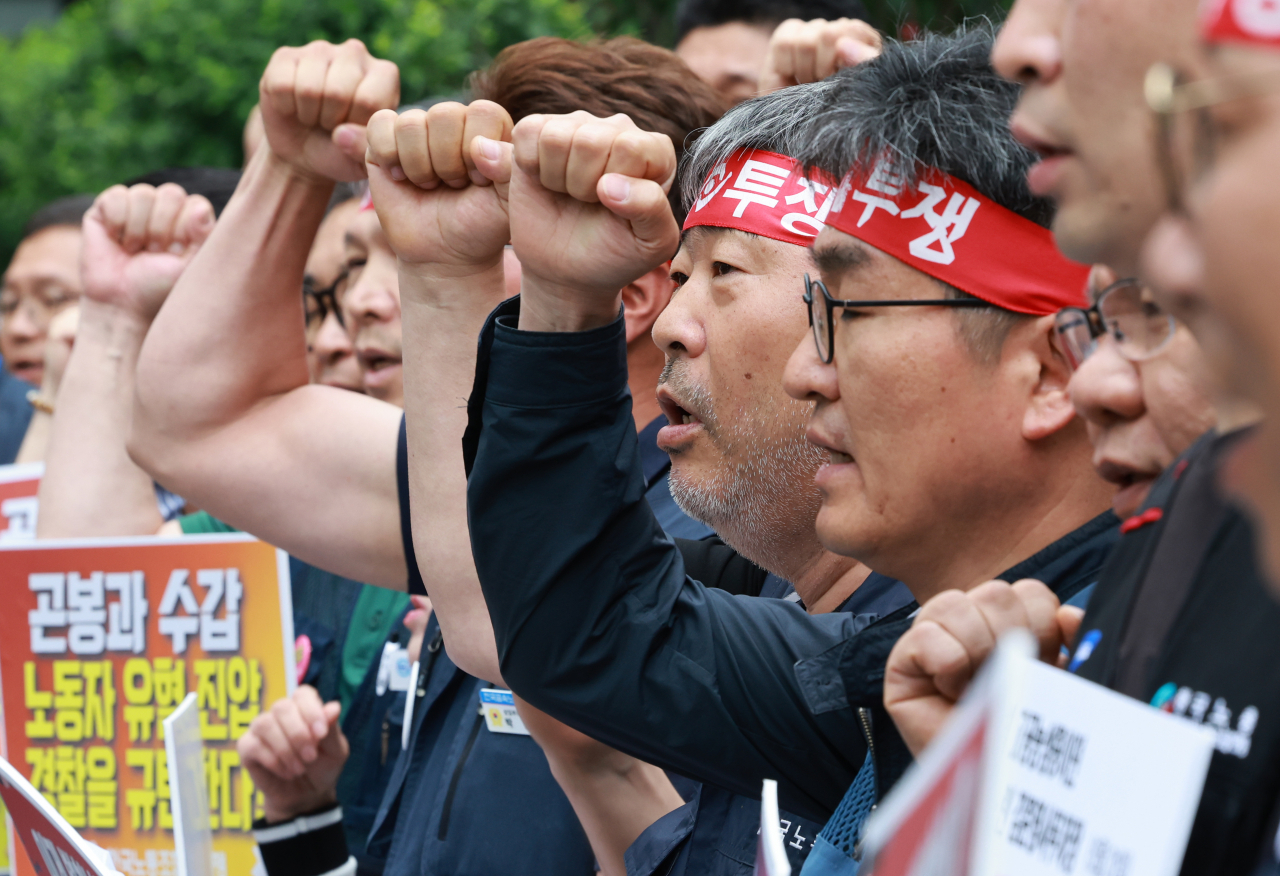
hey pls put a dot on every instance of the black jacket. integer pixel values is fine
(1182, 619)
(598, 625)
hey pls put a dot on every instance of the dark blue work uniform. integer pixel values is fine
(15, 414)
(715, 831)
(1182, 618)
(598, 624)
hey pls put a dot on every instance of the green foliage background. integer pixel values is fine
(117, 88)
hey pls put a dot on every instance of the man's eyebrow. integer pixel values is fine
(350, 239)
(836, 260)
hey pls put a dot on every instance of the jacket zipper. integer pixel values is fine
(424, 674)
(864, 718)
(447, 810)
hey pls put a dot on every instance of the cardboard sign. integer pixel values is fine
(101, 640)
(771, 856)
(45, 834)
(1042, 773)
(19, 505)
(188, 791)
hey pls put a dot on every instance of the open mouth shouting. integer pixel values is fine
(379, 366)
(684, 425)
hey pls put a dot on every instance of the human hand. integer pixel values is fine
(931, 666)
(57, 349)
(589, 212)
(434, 205)
(137, 242)
(810, 51)
(294, 754)
(316, 101)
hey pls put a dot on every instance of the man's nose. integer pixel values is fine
(332, 341)
(1107, 387)
(1029, 48)
(677, 329)
(29, 321)
(806, 377)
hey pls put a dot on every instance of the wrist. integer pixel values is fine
(293, 174)
(278, 812)
(478, 286)
(547, 306)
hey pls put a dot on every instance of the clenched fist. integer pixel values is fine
(294, 754)
(316, 100)
(588, 209)
(931, 666)
(810, 51)
(435, 206)
(137, 241)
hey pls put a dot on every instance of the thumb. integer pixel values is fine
(195, 223)
(644, 204)
(493, 158)
(851, 52)
(334, 742)
(351, 141)
(1069, 619)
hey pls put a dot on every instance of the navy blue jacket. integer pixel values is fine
(15, 415)
(598, 624)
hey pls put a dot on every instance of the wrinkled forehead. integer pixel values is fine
(50, 255)
(869, 272)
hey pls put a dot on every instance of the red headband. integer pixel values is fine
(763, 193)
(366, 200)
(951, 232)
(1241, 21)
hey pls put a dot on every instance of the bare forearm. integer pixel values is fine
(443, 314)
(231, 333)
(91, 487)
(615, 803)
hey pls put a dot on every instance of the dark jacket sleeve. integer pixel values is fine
(596, 620)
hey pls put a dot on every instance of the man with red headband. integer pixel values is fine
(973, 463)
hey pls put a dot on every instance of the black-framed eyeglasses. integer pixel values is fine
(320, 302)
(822, 312)
(1186, 136)
(1128, 312)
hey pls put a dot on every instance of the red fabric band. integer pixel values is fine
(944, 228)
(948, 230)
(764, 193)
(1241, 21)
(366, 200)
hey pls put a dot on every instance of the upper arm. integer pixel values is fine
(312, 471)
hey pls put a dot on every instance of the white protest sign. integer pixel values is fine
(188, 790)
(1041, 773)
(56, 846)
(771, 856)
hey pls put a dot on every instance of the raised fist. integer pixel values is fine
(434, 205)
(294, 754)
(588, 206)
(810, 51)
(953, 634)
(316, 100)
(137, 241)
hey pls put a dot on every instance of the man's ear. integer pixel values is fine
(1049, 407)
(644, 300)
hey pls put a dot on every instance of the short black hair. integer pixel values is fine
(64, 211)
(934, 102)
(217, 184)
(692, 14)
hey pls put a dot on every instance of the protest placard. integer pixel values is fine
(771, 855)
(45, 834)
(101, 641)
(188, 791)
(1041, 773)
(19, 505)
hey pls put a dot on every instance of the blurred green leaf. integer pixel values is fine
(117, 88)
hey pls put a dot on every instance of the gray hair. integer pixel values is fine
(934, 102)
(773, 123)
